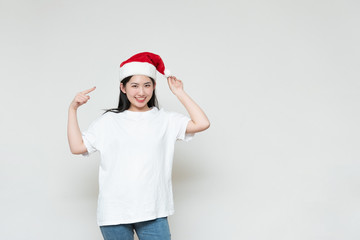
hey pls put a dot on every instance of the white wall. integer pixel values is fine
(279, 81)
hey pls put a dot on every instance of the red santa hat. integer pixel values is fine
(144, 63)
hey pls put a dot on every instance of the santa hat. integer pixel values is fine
(145, 63)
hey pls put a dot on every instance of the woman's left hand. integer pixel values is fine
(175, 85)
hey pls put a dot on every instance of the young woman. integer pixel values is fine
(136, 141)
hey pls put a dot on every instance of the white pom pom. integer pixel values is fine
(167, 72)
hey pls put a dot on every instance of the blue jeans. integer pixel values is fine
(156, 229)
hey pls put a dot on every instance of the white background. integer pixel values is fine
(279, 81)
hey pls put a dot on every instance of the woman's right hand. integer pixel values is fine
(81, 98)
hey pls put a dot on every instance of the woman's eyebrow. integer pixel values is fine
(138, 83)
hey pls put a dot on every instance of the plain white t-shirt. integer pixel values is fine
(137, 151)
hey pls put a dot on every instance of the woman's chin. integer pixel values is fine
(140, 107)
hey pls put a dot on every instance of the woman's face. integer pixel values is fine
(139, 90)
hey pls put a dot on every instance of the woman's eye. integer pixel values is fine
(134, 86)
(147, 85)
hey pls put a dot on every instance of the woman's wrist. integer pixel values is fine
(180, 93)
(72, 108)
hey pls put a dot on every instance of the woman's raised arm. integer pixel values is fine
(199, 121)
(73, 130)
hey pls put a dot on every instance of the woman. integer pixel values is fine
(136, 141)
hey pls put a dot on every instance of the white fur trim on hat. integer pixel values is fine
(137, 68)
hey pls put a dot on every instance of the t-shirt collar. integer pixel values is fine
(140, 115)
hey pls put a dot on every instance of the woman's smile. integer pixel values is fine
(140, 99)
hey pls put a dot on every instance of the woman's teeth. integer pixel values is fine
(140, 99)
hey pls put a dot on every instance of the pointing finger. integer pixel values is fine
(89, 90)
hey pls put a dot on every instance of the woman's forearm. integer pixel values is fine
(197, 115)
(74, 134)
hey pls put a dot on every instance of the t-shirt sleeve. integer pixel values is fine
(90, 138)
(179, 123)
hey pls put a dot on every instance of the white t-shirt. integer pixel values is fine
(137, 151)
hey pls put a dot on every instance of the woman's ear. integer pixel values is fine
(154, 84)
(122, 88)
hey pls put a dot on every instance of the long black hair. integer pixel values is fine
(124, 103)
